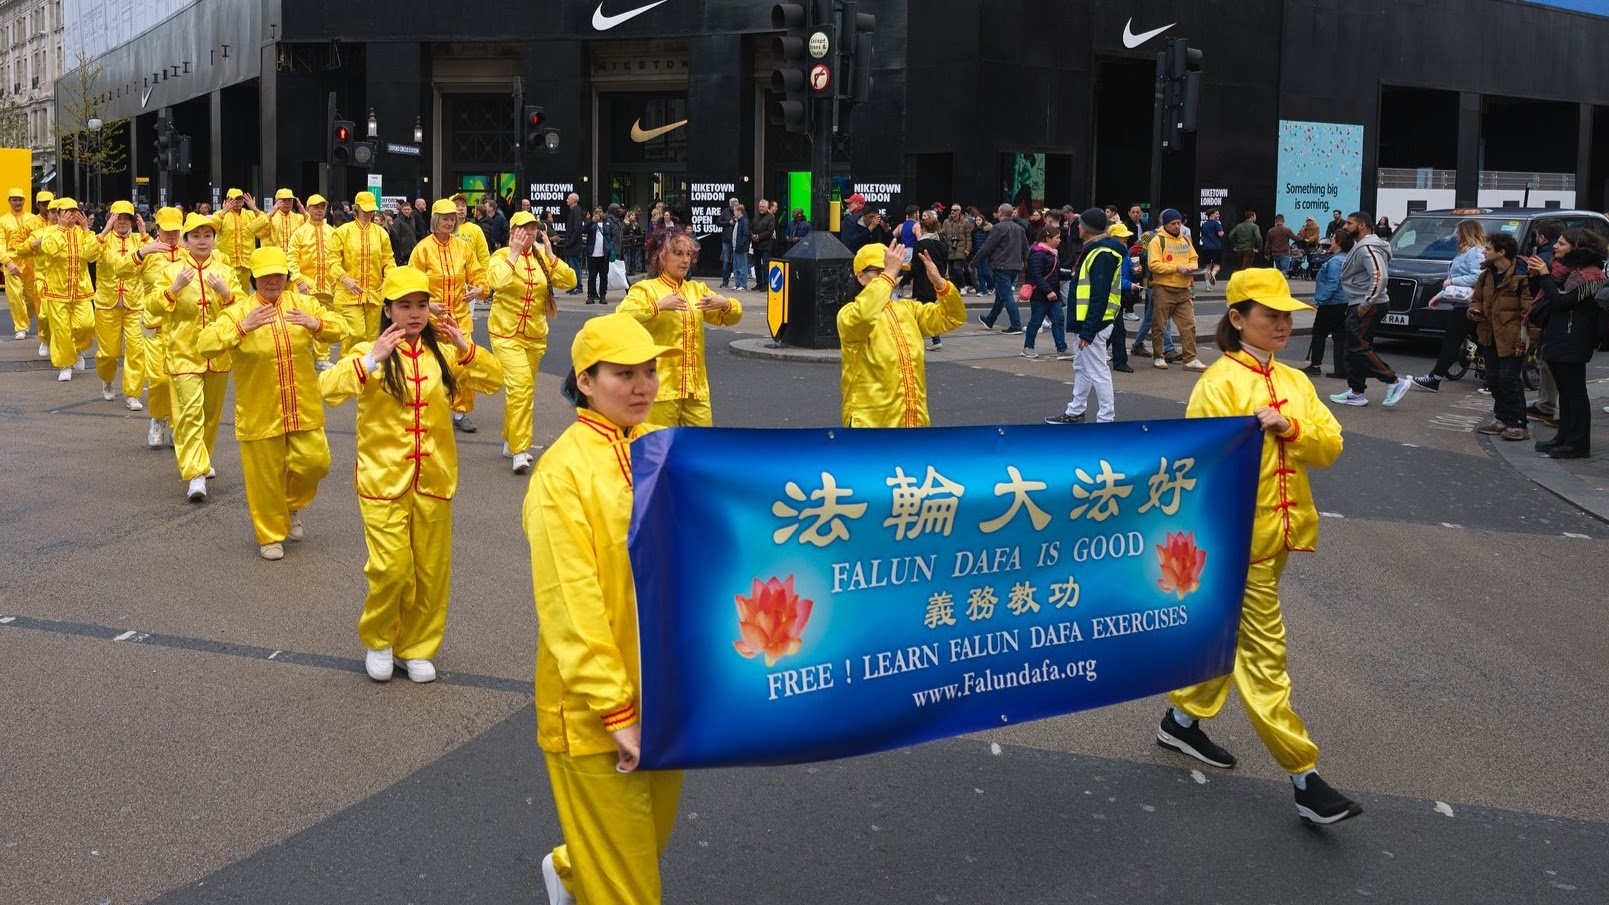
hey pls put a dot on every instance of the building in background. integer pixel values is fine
(32, 57)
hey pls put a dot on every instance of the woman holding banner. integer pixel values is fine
(1298, 433)
(616, 821)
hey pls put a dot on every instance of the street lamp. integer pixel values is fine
(374, 124)
(95, 129)
(418, 131)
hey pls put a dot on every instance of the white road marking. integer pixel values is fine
(1199, 777)
(7, 619)
(1332, 515)
(1411, 445)
(1443, 807)
(1450, 525)
(994, 748)
(275, 654)
(126, 635)
(1566, 534)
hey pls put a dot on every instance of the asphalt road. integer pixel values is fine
(184, 723)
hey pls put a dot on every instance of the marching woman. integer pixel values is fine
(117, 306)
(457, 280)
(615, 819)
(363, 250)
(407, 467)
(154, 259)
(279, 415)
(1299, 433)
(675, 310)
(524, 278)
(65, 252)
(195, 291)
(315, 265)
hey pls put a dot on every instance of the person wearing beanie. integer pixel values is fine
(1299, 433)
(1098, 301)
(1172, 260)
(407, 466)
(615, 818)
(884, 377)
(279, 415)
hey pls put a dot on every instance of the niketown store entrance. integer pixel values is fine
(642, 145)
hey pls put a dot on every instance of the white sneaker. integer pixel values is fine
(44, 351)
(65, 374)
(133, 404)
(198, 489)
(1029, 354)
(81, 364)
(167, 434)
(153, 436)
(420, 671)
(297, 532)
(378, 664)
(21, 334)
(506, 453)
(557, 894)
(1159, 364)
(272, 552)
(522, 463)
(107, 392)
(1194, 364)
(323, 364)
(212, 473)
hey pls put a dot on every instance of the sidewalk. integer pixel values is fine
(1584, 483)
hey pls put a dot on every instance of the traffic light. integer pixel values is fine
(164, 142)
(365, 153)
(855, 49)
(181, 161)
(540, 138)
(1181, 68)
(789, 106)
(340, 142)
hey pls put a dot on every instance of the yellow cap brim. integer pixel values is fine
(634, 354)
(1281, 303)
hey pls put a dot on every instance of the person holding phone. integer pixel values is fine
(524, 276)
(1567, 311)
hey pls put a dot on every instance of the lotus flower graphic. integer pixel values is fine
(772, 619)
(1182, 562)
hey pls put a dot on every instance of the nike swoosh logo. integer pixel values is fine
(1132, 40)
(144, 96)
(603, 23)
(640, 135)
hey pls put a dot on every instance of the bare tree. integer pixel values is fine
(13, 123)
(79, 100)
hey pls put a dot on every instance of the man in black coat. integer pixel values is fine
(573, 226)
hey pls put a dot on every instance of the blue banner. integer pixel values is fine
(812, 594)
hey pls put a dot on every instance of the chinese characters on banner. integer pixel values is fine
(849, 591)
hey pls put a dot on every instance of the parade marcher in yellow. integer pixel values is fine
(280, 224)
(524, 277)
(279, 413)
(154, 258)
(16, 226)
(117, 306)
(457, 280)
(315, 264)
(363, 251)
(237, 235)
(470, 232)
(884, 378)
(616, 820)
(26, 254)
(1299, 433)
(675, 309)
(198, 289)
(64, 253)
(407, 467)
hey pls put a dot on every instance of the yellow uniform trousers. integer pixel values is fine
(615, 827)
(520, 359)
(1259, 674)
(282, 475)
(44, 310)
(159, 401)
(362, 324)
(117, 331)
(75, 321)
(20, 295)
(410, 572)
(197, 412)
(321, 350)
(685, 412)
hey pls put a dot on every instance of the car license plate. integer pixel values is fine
(1400, 320)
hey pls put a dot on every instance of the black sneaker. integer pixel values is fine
(985, 323)
(1536, 411)
(1065, 419)
(1428, 382)
(1320, 804)
(1192, 741)
(1543, 446)
(1011, 330)
(1124, 369)
(1172, 356)
(1313, 369)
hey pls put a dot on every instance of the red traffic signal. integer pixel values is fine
(535, 117)
(342, 133)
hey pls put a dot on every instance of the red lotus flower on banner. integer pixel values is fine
(772, 619)
(1182, 562)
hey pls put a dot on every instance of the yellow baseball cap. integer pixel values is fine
(444, 206)
(1265, 286)
(870, 255)
(17, 193)
(268, 260)
(169, 219)
(284, 194)
(123, 207)
(1119, 231)
(404, 281)
(523, 218)
(315, 200)
(458, 196)
(194, 221)
(66, 204)
(616, 338)
(235, 193)
(42, 197)
(365, 202)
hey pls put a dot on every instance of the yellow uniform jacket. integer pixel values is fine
(1239, 384)
(277, 228)
(576, 514)
(182, 317)
(15, 232)
(408, 446)
(476, 239)
(313, 258)
(1163, 256)
(884, 377)
(684, 377)
(237, 236)
(117, 282)
(364, 254)
(519, 310)
(452, 269)
(150, 272)
(276, 388)
(64, 256)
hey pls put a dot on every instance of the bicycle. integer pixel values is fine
(1470, 357)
